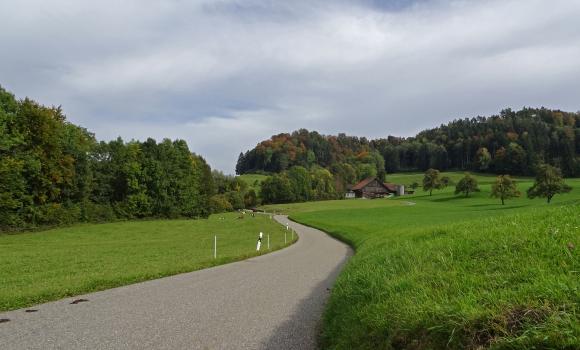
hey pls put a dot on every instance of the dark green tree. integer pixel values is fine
(322, 184)
(250, 199)
(548, 183)
(54, 172)
(277, 189)
(467, 184)
(431, 181)
(504, 188)
(300, 183)
(236, 199)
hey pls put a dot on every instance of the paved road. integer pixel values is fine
(269, 302)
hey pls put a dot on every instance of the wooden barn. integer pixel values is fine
(372, 187)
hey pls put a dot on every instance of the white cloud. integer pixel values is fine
(226, 74)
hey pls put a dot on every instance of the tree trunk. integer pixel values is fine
(430, 193)
(502, 203)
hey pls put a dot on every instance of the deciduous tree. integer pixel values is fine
(467, 184)
(548, 183)
(504, 188)
(431, 181)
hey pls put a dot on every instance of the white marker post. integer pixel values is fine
(259, 242)
(287, 226)
(215, 247)
(268, 241)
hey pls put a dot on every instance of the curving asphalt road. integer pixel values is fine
(272, 301)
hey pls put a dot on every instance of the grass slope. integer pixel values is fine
(254, 181)
(452, 272)
(49, 265)
(408, 178)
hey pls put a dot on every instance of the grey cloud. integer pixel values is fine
(224, 74)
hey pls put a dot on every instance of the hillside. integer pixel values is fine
(510, 142)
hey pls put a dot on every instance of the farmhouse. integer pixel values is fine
(372, 187)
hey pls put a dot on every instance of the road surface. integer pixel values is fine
(273, 301)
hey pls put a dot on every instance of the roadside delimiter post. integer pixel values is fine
(259, 242)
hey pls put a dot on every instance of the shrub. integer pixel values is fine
(93, 212)
(58, 214)
(236, 200)
(219, 204)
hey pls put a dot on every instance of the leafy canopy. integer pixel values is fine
(432, 181)
(504, 188)
(467, 184)
(548, 183)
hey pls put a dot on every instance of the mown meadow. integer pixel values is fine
(453, 272)
(52, 264)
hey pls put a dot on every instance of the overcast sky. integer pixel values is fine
(226, 74)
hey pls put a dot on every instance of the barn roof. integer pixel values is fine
(391, 186)
(363, 183)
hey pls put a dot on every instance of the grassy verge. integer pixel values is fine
(449, 272)
(49, 265)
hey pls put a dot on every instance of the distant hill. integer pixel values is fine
(511, 142)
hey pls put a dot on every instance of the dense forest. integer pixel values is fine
(53, 172)
(509, 143)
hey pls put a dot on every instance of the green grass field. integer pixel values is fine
(254, 181)
(49, 265)
(453, 272)
(409, 178)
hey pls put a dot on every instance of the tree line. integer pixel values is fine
(299, 184)
(514, 142)
(54, 172)
(231, 193)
